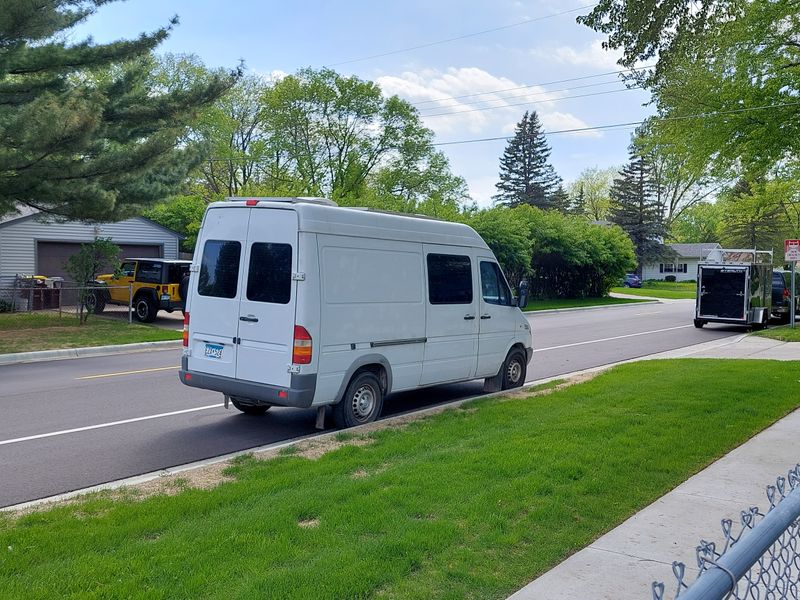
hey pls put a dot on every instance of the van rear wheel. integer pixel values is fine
(250, 409)
(514, 370)
(362, 401)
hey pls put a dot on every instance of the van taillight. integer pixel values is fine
(186, 330)
(785, 292)
(301, 354)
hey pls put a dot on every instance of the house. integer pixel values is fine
(32, 243)
(683, 265)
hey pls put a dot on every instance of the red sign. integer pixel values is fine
(791, 250)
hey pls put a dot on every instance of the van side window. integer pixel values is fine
(219, 269)
(493, 285)
(149, 272)
(449, 279)
(269, 277)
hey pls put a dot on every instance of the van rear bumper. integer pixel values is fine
(300, 394)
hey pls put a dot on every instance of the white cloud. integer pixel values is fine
(593, 56)
(481, 190)
(471, 101)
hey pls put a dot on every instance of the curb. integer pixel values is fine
(43, 355)
(600, 307)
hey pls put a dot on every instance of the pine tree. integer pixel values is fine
(560, 200)
(637, 211)
(578, 204)
(87, 133)
(525, 175)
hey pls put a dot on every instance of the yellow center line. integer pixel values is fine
(127, 373)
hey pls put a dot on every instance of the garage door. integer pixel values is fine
(52, 256)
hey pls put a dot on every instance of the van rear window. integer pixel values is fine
(219, 269)
(269, 276)
(449, 279)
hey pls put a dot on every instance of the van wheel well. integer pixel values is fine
(379, 371)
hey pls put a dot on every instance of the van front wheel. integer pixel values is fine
(514, 370)
(362, 401)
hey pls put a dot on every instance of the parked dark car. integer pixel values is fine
(781, 294)
(632, 280)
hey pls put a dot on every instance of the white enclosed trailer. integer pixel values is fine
(298, 302)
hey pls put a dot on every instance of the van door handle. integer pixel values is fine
(469, 317)
(486, 316)
(249, 319)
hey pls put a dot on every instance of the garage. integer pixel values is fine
(52, 256)
(34, 244)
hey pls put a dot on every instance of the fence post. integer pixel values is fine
(59, 300)
(30, 299)
(130, 303)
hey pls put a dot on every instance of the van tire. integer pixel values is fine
(698, 323)
(251, 409)
(145, 309)
(515, 369)
(362, 401)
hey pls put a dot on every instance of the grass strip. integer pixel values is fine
(661, 289)
(23, 332)
(534, 305)
(783, 333)
(471, 503)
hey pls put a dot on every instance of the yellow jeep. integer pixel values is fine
(156, 284)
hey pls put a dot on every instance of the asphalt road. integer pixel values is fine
(75, 423)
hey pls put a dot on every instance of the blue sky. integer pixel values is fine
(281, 37)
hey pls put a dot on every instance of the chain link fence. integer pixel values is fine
(759, 558)
(42, 295)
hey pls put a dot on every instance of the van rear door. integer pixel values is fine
(216, 289)
(268, 299)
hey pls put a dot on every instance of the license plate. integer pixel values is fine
(214, 351)
(165, 296)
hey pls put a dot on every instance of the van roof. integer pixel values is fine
(317, 217)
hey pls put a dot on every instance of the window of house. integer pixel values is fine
(449, 279)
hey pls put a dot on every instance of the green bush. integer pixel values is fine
(669, 278)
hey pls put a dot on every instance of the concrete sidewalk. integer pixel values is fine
(622, 564)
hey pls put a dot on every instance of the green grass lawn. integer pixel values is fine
(661, 289)
(24, 332)
(783, 333)
(470, 503)
(575, 303)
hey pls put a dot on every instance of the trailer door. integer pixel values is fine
(723, 292)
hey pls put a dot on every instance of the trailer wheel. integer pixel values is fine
(699, 323)
(362, 401)
(514, 370)
(250, 409)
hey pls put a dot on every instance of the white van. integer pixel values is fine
(299, 302)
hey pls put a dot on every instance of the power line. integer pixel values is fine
(526, 95)
(522, 87)
(628, 124)
(458, 112)
(462, 37)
